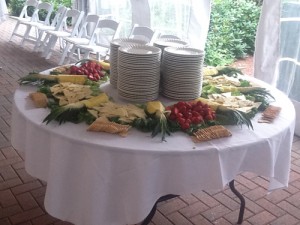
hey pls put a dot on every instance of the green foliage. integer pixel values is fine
(17, 5)
(232, 31)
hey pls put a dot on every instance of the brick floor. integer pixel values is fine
(21, 196)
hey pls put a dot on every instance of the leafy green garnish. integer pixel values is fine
(208, 90)
(244, 83)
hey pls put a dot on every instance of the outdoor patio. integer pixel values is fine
(22, 196)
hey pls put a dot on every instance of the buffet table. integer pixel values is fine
(99, 178)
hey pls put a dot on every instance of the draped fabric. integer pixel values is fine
(188, 19)
(80, 5)
(277, 56)
(3, 10)
(267, 41)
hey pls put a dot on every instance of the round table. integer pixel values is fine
(98, 178)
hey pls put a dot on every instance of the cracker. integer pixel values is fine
(103, 125)
(270, 113)
(209, 133)
(39, 99)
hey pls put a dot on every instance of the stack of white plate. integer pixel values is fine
(114, 46)
(182, 73)
(139, 73)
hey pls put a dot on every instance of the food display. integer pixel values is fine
(227, 98)
(93, 69)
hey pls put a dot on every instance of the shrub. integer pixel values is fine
(17, 5)
(232, 31)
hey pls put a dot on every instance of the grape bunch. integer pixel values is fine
(91, 69)
(187, 114)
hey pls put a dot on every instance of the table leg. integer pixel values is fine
(240, 196)
(148, 219)
(153, 210)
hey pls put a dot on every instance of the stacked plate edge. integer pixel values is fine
(162, 43)
(138, 73)
(114, 46)
(182, 73)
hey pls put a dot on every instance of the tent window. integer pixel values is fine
(118, 9)
(170, 16)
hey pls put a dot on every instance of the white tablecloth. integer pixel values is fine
(98, 178)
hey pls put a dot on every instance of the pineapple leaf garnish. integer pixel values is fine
(62, 114)
(233, 117)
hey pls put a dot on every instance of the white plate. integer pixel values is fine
(186, 51)
(167, 42)
(140, 50)
(120, 41)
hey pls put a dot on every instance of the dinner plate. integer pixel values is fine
(123, 41)
(186, 51)
(140, 50)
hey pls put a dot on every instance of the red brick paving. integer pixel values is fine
(22, 196)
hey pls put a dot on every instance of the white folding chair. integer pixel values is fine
(143, 33)
(55, 24)
(24, 17)
(85, 34)
(64, 31)
(99, 44)
(44, 7)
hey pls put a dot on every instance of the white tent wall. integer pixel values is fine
(141, 12)
(267, 42)
(194, 30)
(277, 51)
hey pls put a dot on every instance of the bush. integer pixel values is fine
(232, 31)
(17, 5)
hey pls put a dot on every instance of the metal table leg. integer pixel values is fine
(240, 196)
(148, 219)
(153, 210)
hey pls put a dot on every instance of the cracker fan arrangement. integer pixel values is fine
(215, 96)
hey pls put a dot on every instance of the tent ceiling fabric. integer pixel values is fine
(197, 21)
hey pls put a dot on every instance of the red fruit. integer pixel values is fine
(188, 121)
(198, 119)
(208, 117)
(199, 103)
(185, 126)
(198, 109)
(172, 116)
(80, 72)
(187, 114)
(168, 108)
(188, 105)
(101, 73)
(73, 69)
(175, 110)
(180, 120)
(182, 109)
(194, 120)
(180, 104)
(195, 113)
(92, 65)
(98, 67)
